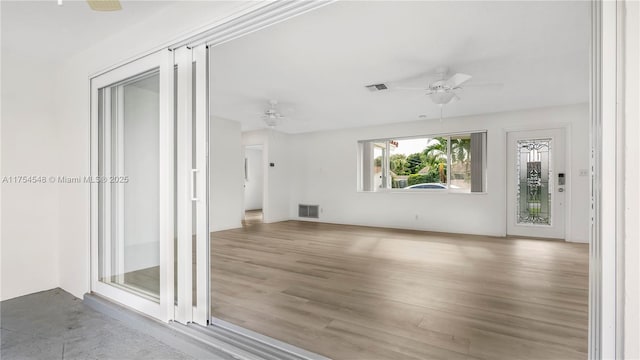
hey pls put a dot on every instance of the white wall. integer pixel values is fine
(279, 177)
(30, 145)
(326, 172)
(226, 174)
(253, 183)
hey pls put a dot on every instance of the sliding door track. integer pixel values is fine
(244, 344)
(220, 340)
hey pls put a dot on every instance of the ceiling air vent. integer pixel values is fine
(377, 87)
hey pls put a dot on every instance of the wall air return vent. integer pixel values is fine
(308, 211)
(377, 87)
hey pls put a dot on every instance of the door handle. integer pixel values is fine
(193, 186)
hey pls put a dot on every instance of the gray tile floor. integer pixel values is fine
(55, 325)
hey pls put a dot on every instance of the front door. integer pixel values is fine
(536, 183)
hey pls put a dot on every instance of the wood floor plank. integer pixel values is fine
(351, 292)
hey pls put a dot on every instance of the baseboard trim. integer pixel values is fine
(226, 227)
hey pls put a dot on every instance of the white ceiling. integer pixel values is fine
(61, 31)
(318, 63)
(52, 33)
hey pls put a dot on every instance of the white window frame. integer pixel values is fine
(386, 184)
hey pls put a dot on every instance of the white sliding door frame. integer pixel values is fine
(606, 293)
(119, 187)
(203, 295)
(167, 204)
(184, 189)
(163, 308)
(192, 189)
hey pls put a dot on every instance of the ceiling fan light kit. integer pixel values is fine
(442, 97)
(105, 5)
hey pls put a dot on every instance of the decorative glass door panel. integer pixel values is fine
(533, 172)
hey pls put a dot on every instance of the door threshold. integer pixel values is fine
(161, 331)
(257, 338)
(220, 340)
(534, 238)
(244, 344)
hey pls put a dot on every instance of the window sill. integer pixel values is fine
(423, 191)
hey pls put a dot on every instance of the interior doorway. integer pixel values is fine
(253, 185)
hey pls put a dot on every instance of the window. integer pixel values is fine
(454, 162)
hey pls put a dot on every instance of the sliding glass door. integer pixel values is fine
(149, 231)
(132, 186)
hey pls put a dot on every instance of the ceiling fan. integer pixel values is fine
(443, 90)
(272, 116)
(105, 5)
(102, 5)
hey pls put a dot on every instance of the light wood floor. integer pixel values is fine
(252, 217)
(351, 292)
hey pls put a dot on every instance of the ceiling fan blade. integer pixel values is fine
(458, 79)
(416, 80)
(404, 88)
(484, 84)
(105, 5)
